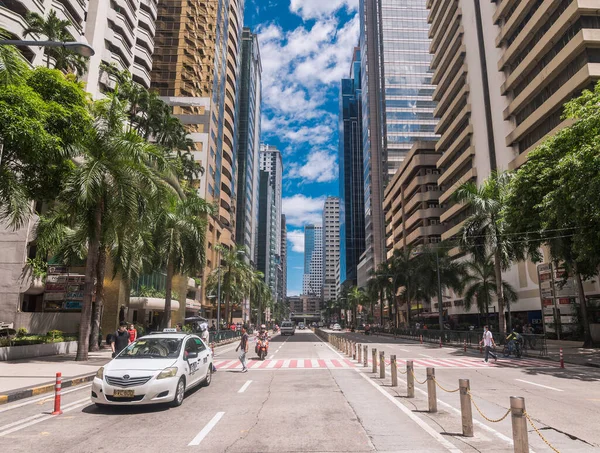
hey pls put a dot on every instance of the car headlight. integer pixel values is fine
(167, 373)
(100, 373)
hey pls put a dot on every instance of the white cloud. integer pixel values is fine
(296, 238)
(300, 210)
(314, 9)
(321, 166)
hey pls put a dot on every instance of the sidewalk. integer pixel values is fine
(29, 377)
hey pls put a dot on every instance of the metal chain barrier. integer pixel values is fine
(444, 389)
(417, 381)
(539, 433)
(483, 415)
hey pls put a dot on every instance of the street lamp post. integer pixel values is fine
(80, 48)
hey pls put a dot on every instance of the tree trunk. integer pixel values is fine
(97, 307)
(587, 334)
(83, 343)
(499, 291)
(381, 309)
(166, 320)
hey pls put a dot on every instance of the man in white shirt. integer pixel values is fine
(488, 342)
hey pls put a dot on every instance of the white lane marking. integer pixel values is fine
(286, 363)
(498, 434)
(244, 387)
(424, 426)
(29, 421)
(272, 364)
(207, 429)
(425, 355)
(272, 355)
(44, 398)
(539, 385)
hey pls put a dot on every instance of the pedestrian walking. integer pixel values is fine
(120, 340)
(244, 349)
(488, 342)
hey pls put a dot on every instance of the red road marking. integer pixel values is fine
(293, 364)
(307, 363)
(279, 364)
(349, 363)
(221, 365)
(336, 363)
(322, 364)
(252, 363)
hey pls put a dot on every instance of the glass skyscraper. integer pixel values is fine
(352, 215)
(312, 284)
(397, 104)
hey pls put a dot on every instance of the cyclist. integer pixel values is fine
(514, 344)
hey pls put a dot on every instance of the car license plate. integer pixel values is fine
(124, 394)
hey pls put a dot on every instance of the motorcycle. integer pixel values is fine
(262, 348)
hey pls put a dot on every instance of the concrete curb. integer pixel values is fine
(27, 392)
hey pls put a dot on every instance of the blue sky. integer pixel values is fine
(306, 47)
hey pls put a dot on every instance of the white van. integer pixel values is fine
(288, 328)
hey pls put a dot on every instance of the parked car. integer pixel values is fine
(336, 327)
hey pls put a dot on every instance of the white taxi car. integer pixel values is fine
(154, 369)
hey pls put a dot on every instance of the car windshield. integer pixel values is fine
(161, 348)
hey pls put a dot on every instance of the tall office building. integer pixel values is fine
(265, 246)
(271, 167)
(312, 282)
(503, 72)
(121, 32)
(196, 71)
(351, 179)
(331, 248)
(397, 106)
(249, 142)
(283, 286)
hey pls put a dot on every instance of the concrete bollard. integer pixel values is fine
(353, 351)
(374, 352)
(410, 379)
(359, 358)
(431, 393)
(382, 365)
(57, 394)
(562, 360)
(394, 370)
(465, 407)
(366, 356)
(519, 424)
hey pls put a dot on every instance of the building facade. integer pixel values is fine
(312, 283)
(351, 179)
(265, 247)
(197, 71)
(397, 106)
(249, 142)
(283, 286)
(331, 248)
(503, 71)
(411, 204)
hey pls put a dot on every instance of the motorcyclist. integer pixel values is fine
(263, 334)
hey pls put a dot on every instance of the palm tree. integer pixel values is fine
(405, 271)
(355, 297)
(179, 240)
(260, 293)
(12, 66)
(56, 29)
(480, 286)
(483, 232)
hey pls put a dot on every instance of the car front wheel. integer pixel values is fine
(208, 378)
(179, 393)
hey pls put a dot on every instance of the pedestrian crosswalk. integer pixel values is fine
(341, 364)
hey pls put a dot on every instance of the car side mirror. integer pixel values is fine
(192, 355)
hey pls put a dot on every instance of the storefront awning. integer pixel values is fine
(151, 303)
(191, 304)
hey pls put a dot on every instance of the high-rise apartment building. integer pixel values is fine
(120, 31)
(283, 286)
(312, 282)
(503, 71)
(271, 168)
(351, 179)
(249, 142)
(265, 245)
(196, 71)
(331, 248)
(397, 106)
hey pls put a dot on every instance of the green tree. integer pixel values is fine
(480, 286)
(55, 29)
(484, 230)
(13, 68)
(42, 122)
(553, 198)
(356, 297)
(179, 240)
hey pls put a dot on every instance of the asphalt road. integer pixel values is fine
(307, 397)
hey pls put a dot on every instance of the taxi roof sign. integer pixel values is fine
(170, 329)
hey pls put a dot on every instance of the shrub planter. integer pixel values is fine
(37, 350)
